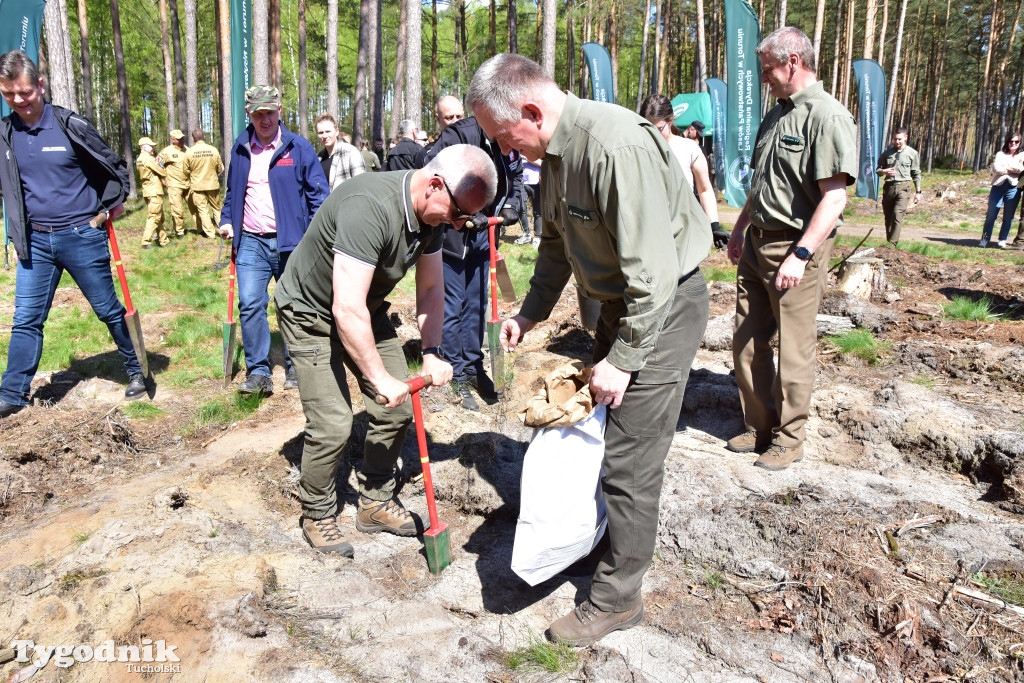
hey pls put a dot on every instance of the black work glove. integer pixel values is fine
(718, 236)
(509, 216)
(477, 221)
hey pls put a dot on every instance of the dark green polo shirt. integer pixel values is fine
(370, 219)
(907, 163)
(802, 140)
(620, 217)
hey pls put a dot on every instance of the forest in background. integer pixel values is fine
(958, 67)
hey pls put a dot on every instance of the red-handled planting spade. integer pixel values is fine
(436, 541)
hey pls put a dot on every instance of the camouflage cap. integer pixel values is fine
(146, 141)
(177, 135)
(262, 97)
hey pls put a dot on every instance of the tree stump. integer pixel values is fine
(863, 277)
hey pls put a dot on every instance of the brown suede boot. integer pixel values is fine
(749, 442)
(586, 624)
(325, 536)
(780, 457)
(386, 515)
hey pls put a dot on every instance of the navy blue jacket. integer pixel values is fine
(510, 177)
(298, 187)
(96, 158)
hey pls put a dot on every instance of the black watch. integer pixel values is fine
(803, 253)
(433, 351)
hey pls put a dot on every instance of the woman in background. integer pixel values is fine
(1005, 193)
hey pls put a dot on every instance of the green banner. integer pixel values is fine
(871, 95)
(718, 92)
(241, 62)
(693, 107)
(742, 34)
(599, 66)
(21, 23)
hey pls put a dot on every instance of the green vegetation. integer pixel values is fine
(81, 536)
(719, 274)
(1009, 589)
(924, 381)
(713, 579)
(141, 410)
(542, 655)
(966, 308)
(225, 410)
(859, 343)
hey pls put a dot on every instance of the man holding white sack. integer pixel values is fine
(638, 253)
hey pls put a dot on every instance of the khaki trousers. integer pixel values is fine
(777, 401)
(320, 361)
(208, 207)
(637, 438)
(176, 196)
(895, 199)
(154, 221)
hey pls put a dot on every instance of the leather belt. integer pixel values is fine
(50, 228)
(687, 276)
(263, 235)
(775, 234)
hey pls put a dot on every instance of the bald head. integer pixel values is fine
(448, 111)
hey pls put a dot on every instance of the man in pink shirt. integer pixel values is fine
(275, 185)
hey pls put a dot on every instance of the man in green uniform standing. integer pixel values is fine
(637, 252)
(898, 167)
(203, 167)
(332, 313)
(150, 175)
(804, 158)
(172, 158)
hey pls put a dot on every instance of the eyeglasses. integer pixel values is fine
(460, 215)
(1014, 142)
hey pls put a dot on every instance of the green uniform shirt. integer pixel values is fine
(619, 216)
(370, 160)
(907, 163)
(203, 165)
(369, 218)
(173, 161)
(150, 174)
(802, 140)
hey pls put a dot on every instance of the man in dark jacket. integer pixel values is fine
(57, 176)
(275, 185)
(466, 258)
(402, 156)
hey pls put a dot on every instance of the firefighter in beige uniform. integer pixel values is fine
(172, 158)
(203, 165)
(151, 174)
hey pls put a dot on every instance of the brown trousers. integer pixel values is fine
(895, 199)
(777, 401)
(154, 221)
(208, 206)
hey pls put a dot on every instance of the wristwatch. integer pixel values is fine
(433, 351)
(803, 253)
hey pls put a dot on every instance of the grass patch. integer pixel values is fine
(225, 410)
(1010, 590)
(923, 381)
(141, 410)
(859, 343)
(713, 579)
(541, 655)
(966, 308)
(719, 274)
(80, 536)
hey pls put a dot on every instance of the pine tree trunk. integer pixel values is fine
(870, 16)
(274, 42)
(362, 58)
(836, 57)
(894, 78)
(783, 12)
(398, 110)
(881, 37)
(547, 61)
(663, 50)
(62, 80)
(179, 69)
(848, 54)
(433, 52)
(332, 58)
(191, 67)
(165, 44)
(122, 90)
(701, 72)
(640, 88)
(303, 82)
(492, 27)
(377, 65)
(819, 27)
(980, 154)
(83, 35)
(224, 70)
(260, 40)
(570, 47)
(513, 29)
(413, 64)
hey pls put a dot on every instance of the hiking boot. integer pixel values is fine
(8, 409)
(462, 394)
(779, 457)
(749, 442)
(290, 380)
(136, 387)
(325, 536)
(524, 239)
(386, 515)
(1017, 244)
(586, 624)
(147, 245)
(484, 386)
(257, 384)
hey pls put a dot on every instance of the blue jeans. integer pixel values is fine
(465, 307)
(256, 262)
(1002, 196)
(84, 254)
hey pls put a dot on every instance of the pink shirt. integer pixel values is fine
(258, 214)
